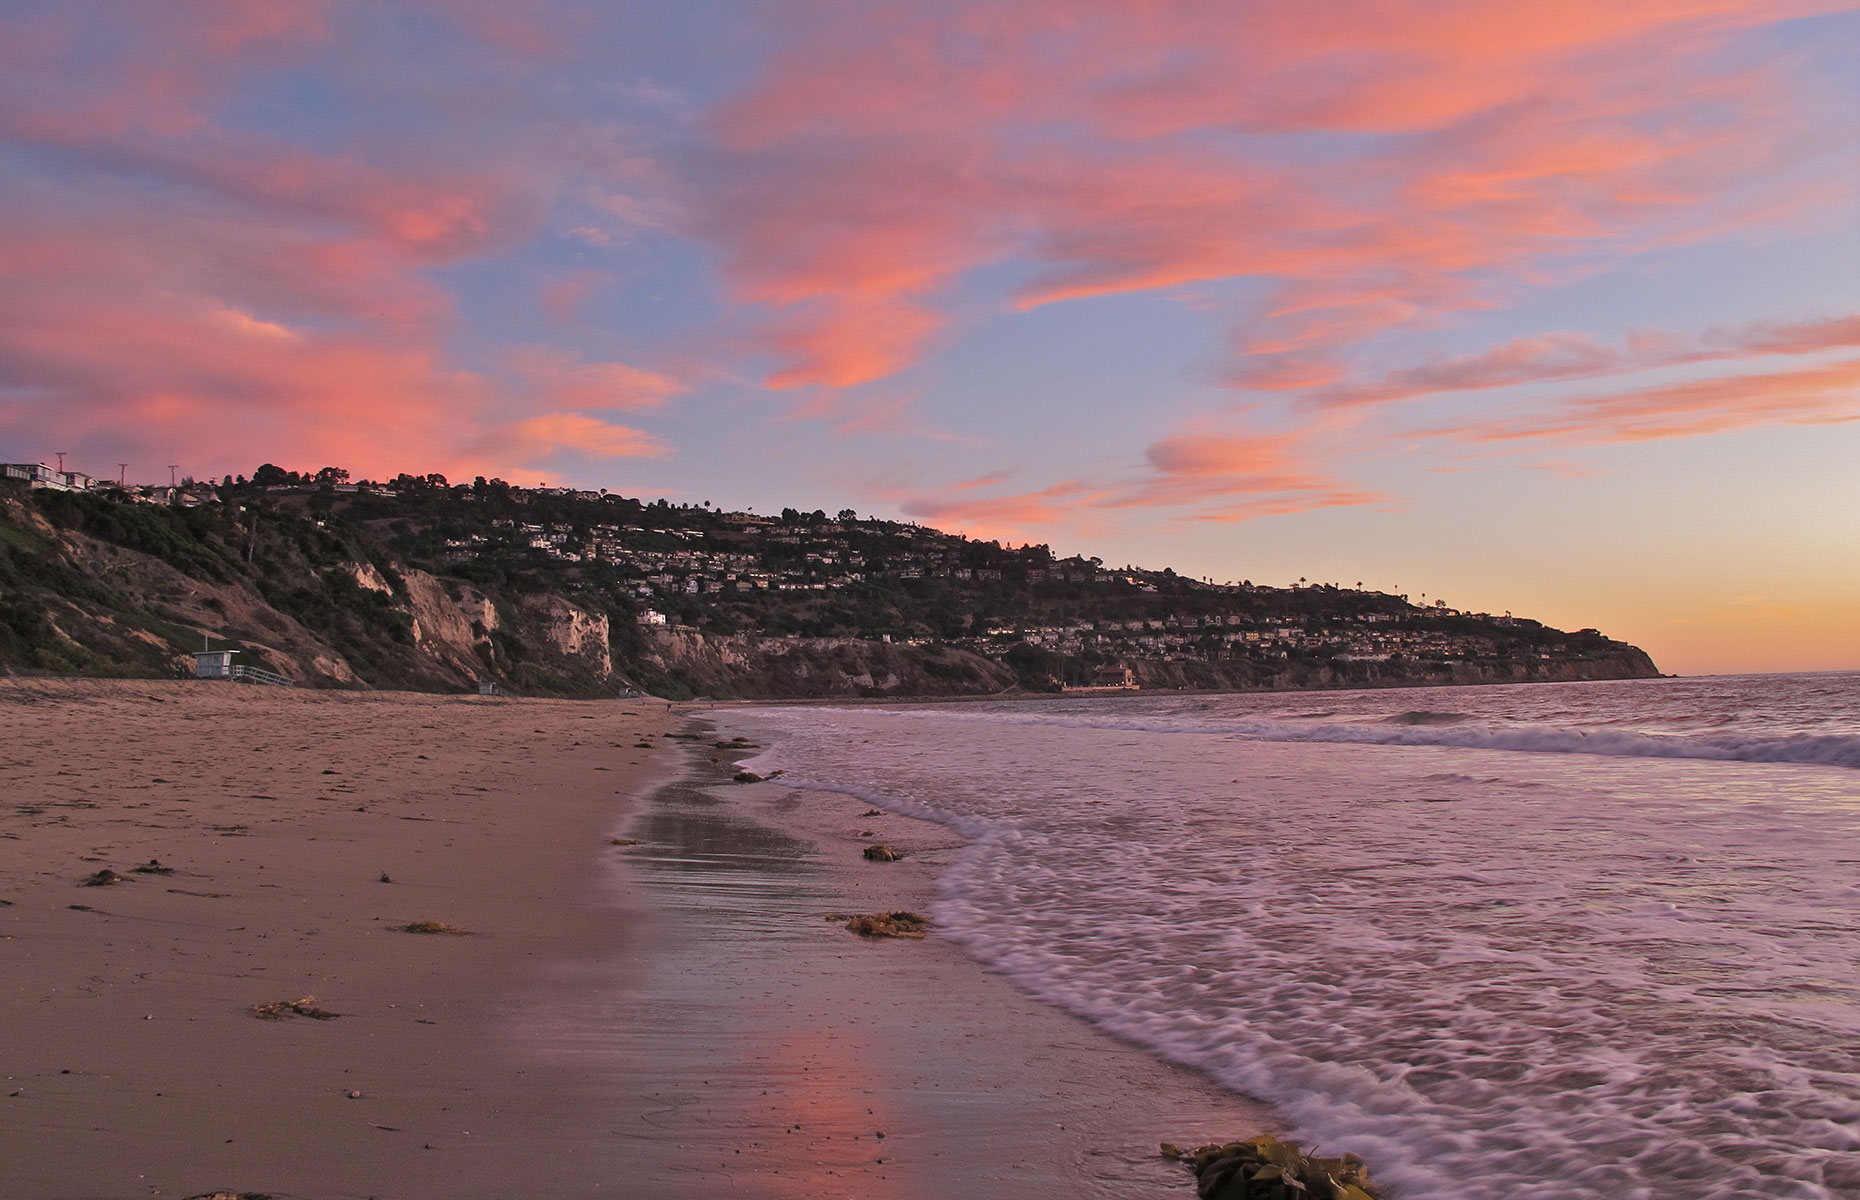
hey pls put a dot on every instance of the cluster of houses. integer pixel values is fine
(740, 553)
(707, 555)
(1362, 637)
(758, 554)
(38, 475)
(58, 479)
(680, 561)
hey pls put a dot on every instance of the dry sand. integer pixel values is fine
(673, 1018)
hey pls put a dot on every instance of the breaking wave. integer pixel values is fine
(1458, 730)
(1495, 980)
(1833, 750)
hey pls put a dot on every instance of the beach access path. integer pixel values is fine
(667, 1018)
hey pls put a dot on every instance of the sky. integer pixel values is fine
(1540, 306)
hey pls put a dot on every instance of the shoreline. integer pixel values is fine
(977, 1088)
(671, 1018)
(699, 704)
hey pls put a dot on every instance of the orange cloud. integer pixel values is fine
(843, 343)
(190, 379)
(211, 338)
(1282, 506)
(1814, 395)
(561, 380)
(1567, 356)
(1218, 477)
(581, 433)
(173, 248)
(894, 147)
(1267, 469)
(188, 282)
(997, 516)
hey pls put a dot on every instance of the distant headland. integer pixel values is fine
(421, 584)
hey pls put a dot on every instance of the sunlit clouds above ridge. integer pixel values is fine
(1235, 288)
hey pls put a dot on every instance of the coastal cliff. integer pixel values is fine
(546, 594)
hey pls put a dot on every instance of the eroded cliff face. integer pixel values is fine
(91, 606)
(685, 662)
(94, 587)
(369, 576)
(441, 626)
(577, 633)
(464, 635)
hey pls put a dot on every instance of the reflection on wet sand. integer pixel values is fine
(756, 1048)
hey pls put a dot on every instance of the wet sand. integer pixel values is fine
(673, 1018)
(781, 1047)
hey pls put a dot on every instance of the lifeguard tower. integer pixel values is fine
(219, 664)
(214, 664)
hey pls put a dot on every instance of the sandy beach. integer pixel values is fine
(645, 998)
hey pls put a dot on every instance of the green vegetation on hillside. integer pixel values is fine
(418, 583)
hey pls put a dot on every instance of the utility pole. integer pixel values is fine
(171, 469)
(122, 474)
(61, 459)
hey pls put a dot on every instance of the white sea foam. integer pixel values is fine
(1466, 732)
(1624, 973)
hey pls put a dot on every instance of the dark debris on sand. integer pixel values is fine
(1265, 1168)
(433, 927)
(303, 1006)
(891, 924)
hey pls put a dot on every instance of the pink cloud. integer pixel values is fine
(841, 343)
(894, 147)
(578, 432)
(1268, 470)
(190, 380)
(182, 283)
(1809, 395)
(562, 380)
(1215, 477)
(1282, 506)
(1568, 356)
(997, 516)
(171, 256)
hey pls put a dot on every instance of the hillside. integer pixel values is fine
(423, 585)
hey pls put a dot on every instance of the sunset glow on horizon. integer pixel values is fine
(1530, 306)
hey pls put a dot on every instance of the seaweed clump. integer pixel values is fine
(891, 924)
(433, 927)
(303, 1006)
(1265, 1168)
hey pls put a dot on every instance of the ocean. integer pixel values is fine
(1536, 941)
